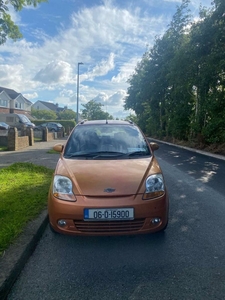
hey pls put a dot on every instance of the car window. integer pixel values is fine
(122, 139)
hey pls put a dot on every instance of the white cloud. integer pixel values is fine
(126, 70)
(108, 39)
(10, 75)
(113, 104)
(100, 69)
(66, 93)
(90, 39)
(101, 98)
(117, 99)
(31, 96)
(55, 72)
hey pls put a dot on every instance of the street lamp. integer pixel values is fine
(80, 63)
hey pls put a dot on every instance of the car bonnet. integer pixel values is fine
(108, 177)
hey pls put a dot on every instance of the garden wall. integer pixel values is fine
(15, 140)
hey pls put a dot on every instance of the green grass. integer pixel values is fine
(36, 139)
(2, 148)
(23, 195)
(52, 152)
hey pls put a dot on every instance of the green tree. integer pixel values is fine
(8, 29)
(67, 114)
(151, 86)
(132, 118)
(93, 111)
(208, 40)
(43, 114)
(178, 88)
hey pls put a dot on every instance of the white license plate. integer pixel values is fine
(104, 214)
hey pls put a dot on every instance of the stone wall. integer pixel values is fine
(16, 142)
(50, 136)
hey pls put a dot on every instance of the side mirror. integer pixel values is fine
(58, 147)
(154, 146)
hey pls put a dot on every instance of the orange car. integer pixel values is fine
(107, 182)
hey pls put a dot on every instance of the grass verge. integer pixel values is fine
(52, 152)
(23, 195)
(2, 148)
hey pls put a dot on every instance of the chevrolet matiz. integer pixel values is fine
(107, 182)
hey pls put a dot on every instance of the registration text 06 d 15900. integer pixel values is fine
(104, 214)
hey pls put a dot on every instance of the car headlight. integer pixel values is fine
(154, 187)
(63, 188)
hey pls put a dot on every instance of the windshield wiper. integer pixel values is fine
(109, 154)
(79, 155)
(103, 154)
(95, 154)
(139, 153)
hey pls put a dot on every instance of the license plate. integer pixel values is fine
(104, 214)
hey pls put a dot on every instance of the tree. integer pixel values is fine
(132, 118)
(93, 111)
(8, 29)
(178, 88)
(151, 92)
(43, 114)
(67, 114)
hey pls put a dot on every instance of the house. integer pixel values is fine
(13, 102)
(43, 105)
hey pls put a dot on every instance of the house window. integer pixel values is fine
(3, 103)
(18, 105)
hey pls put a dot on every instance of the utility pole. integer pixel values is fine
(77, 116)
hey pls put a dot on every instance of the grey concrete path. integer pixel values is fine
(36, 154)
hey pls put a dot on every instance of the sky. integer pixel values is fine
(109, 37)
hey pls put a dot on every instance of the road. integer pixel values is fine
(186, 262)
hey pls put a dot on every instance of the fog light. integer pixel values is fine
(156, 220)
(62, 223)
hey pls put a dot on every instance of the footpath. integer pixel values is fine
(36, 154)
(14, 258)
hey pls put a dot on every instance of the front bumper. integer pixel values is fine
(145, 212)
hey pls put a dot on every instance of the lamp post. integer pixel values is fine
(78, 65)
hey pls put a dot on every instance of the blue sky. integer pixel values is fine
(109, 37)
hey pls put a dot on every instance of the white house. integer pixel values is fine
(43, 105)
(13, 102)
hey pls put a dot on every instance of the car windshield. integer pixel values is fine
(24, 118)
(106, 141)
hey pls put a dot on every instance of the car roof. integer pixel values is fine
(102, 122)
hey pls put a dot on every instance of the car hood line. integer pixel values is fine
(126, 180)
(71, 175)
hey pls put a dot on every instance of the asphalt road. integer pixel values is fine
(186, 262)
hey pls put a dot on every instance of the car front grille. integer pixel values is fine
(109, 226)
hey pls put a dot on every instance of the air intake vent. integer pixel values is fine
(109, 226)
